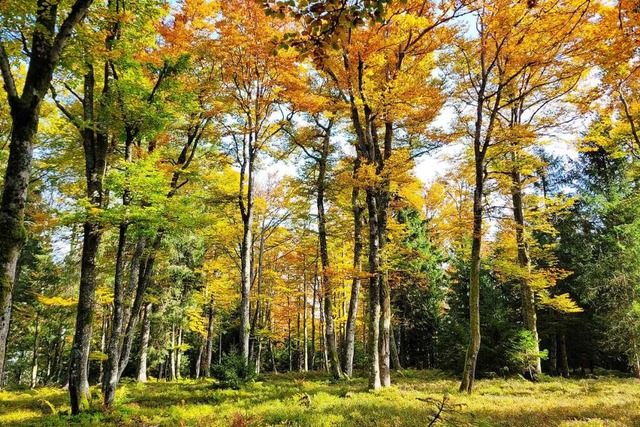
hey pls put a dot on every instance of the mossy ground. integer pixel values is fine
(276, 400)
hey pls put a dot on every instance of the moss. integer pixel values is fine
(276, 400)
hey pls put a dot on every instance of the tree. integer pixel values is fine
(254, 89)
(43, 55)
(381, 75)
(490, 66)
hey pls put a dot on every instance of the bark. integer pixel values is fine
(46, 48)
(352, 316)
(144, 343)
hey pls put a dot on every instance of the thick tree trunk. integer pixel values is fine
(79, 365)
(144, 343)
(13, 234)
(350, 335)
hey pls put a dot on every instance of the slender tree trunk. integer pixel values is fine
(352, 316)
(256, 316)
(374, 294)
(144, 278)
(245, 259)
(553, 353)
(469, 372)
(289, 334)
(103, 342)
(113, 348)
(209, 346)
(273, 357)
(314, 285)
(330, 335)
(395, 357)
(172, 353)
(524, 260)
(144, 343)
(305, 338)
(564, 361)
(34, 359)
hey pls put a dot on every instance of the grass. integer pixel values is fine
(278, 400)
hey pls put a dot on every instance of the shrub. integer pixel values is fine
(523, 355)
(233, 371)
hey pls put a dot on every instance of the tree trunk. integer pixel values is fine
(374, 294)
(314, 285)
(305, 338)
(111, 378)
(13, 234)
(468, 375)
(564, 361)
(245, 259)
(209, 346)
(78, 367)
(330, 335)
(144, 343)
(34, 359)
(172, 353)
(352, 316)
(395, 357)
(528, 297)
(144, 278)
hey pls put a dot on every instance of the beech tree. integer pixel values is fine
(47, 41)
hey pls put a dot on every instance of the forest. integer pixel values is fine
(341, 212)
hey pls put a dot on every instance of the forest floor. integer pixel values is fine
(280, 400)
